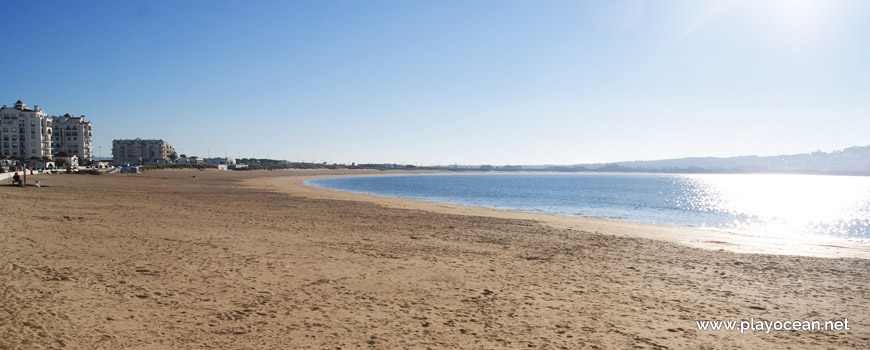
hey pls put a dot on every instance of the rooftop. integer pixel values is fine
(19, 106)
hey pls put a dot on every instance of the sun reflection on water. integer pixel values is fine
(783, 205)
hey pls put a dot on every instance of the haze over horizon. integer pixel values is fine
(491, 82)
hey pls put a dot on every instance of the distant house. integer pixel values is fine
(190, 160)
(221, 161)
(130, 170)
(44, 165)
(70, 160)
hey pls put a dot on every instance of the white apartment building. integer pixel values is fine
(24, 132)
(138, 151)
(72, 135)
(221, 161)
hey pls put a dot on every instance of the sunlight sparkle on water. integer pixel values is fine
(785, 205)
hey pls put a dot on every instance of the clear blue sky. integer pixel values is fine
(438, 82)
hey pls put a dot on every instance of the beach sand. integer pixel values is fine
(185, 259)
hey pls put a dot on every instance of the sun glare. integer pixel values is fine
(800, 15)
(791, 24)
(800, 10)
(784, 205)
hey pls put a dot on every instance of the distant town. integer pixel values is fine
(38, 141)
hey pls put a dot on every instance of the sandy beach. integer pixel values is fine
(186, 259)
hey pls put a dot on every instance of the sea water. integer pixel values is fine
(787, 206)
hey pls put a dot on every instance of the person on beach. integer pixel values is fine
(17, 180)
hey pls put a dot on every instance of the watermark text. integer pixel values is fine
(767, 326)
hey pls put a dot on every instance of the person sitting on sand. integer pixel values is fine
(17, 179)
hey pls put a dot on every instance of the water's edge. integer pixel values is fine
(673, 216)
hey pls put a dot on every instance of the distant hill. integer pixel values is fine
(853, 160)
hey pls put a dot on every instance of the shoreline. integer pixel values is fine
(706, 238)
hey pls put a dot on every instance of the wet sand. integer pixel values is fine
(185, 259)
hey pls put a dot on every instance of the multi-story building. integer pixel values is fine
(24, 132)
(221, 161)
(72, 135)
(138, 151)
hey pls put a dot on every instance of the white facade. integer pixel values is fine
(24, 132)
(219, 161)
(190, 160)
(69, 160)
(72, 135)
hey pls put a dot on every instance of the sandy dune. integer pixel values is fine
(251, 260)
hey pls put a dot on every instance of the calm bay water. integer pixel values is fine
(805, 206)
